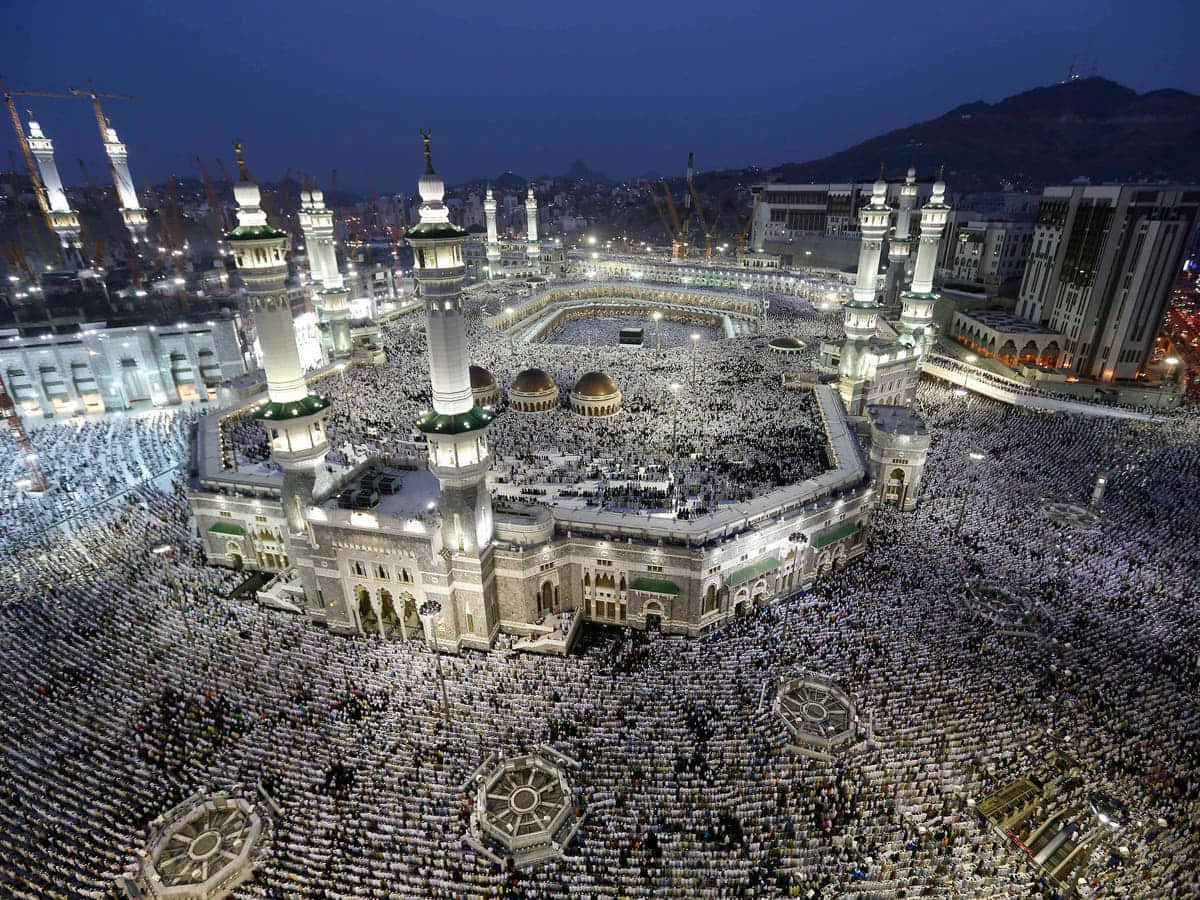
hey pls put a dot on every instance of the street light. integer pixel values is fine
(658, 328)
(675, 386)
(1171, 361)
(429, 611)
(341, 367)
(695, 343)
(974, 456)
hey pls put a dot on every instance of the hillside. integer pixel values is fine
(1090, 128)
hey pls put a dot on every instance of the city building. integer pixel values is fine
(1101, 269)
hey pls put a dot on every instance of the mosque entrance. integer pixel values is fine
(653, 622)
(367, 622)
(235, 560)
(894, 490)
(412, 622)
(387, 612)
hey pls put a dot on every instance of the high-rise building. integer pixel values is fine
(1100, 272)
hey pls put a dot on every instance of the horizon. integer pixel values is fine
(623, 92)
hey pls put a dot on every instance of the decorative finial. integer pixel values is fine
(242, 170)
(942, 172)
(425, 135)
(881, 171)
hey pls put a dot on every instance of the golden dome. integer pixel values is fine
(594, 384)
(481, 378)
(532, 381)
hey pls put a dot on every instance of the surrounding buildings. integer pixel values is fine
(1103, 263)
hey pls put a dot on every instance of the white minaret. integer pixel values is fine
(456, 429)
(493, 242)
(533, 250)
(861, 314)
(328, 287)
(294, 418)
(132, 212)
(62, 218)
(873, 220)
(899, 245)
(918, 302)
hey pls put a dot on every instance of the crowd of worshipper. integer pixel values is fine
(728, 431)
(87, 461)
(131, 678)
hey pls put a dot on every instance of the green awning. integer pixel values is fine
(654, 585)
(254, 233)
(832, 535)
(227, 528)
(752, 571)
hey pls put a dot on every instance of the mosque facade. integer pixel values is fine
(414, 546)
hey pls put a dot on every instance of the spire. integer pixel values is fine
(426, 134)
(243, 172)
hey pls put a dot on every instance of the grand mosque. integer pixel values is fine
(421, 544)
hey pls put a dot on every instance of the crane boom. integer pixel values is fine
(662, 216)
(39, 189)
(101, 121)
(12, 418)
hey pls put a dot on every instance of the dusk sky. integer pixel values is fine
(532, 85)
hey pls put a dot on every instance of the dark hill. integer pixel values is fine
(1089, 127)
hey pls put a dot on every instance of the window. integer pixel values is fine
(654, 568)
(357, 568)
(260, 518)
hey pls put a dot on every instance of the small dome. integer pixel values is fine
(787, 342)
(481, 378)
(532, 381)
(594, 384)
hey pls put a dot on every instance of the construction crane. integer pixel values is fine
(333, 190)
(687, 197)
(99, 246)
(215, 206)
(101, 121)
(745, 232)
(708, 232)
(39, 189)
(679, 246)
(662, 216)
(12, 418)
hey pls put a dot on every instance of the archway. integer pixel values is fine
(387, 613)
(1007, 353)
(893, 490)
(547, 599)
(411, 621)
(1029, 353)
(741, 605)
(710, 598)
(367, 622)
(1050, 355)
(235, 560)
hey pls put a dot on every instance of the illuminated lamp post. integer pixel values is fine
(429, 612)
(695, 342)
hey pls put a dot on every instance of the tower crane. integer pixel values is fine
(679, 247)
(662, 216)
(745, 232)
(101, 122)
(12, 418)
(708, 232)
(215, 206)
(35, 177)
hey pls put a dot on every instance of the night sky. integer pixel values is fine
(530, 85)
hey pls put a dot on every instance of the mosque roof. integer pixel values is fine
(481, 378)
(787, 342)
(532, 381)
(594, 384)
